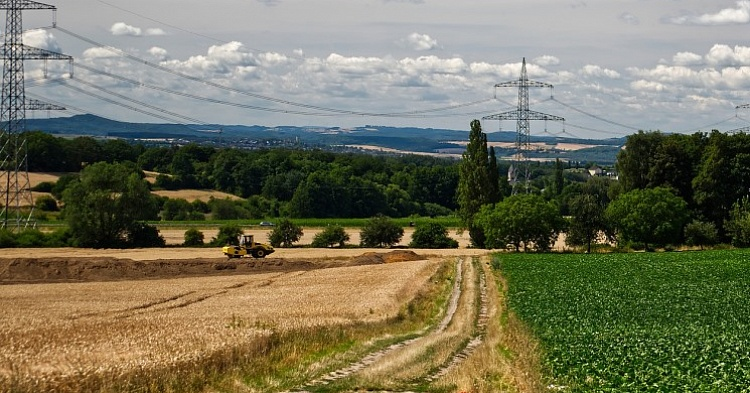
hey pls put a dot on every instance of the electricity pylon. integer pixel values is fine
(15, 190)
(523, 131)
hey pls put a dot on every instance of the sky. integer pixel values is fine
(617, 66)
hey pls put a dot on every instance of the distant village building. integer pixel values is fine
(595, 171)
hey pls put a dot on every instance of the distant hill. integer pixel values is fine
(406, 139)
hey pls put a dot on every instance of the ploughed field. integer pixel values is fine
(644, 322)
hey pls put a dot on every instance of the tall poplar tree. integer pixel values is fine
(493, 174)
(474, 189)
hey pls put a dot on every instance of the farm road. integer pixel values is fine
(433, 353)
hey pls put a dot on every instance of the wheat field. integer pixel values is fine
(58, 336)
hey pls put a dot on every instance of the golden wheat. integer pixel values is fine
(52, 335)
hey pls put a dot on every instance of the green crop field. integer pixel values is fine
(644, 322)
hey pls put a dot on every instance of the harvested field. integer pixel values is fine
(93, 333)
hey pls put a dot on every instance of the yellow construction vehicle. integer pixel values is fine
(248, 246)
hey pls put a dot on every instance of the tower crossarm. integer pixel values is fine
(25, 5)
(524, 83)
(31, 53)
(36, 105)
(523, 115)
(743, 106)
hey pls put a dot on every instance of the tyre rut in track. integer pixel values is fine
(478, 326)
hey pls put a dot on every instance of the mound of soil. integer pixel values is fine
(374, 258)
(48, 270)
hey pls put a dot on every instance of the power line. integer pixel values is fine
(264, 97)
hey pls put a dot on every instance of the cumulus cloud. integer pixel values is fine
(121, 28)
(599, 72)
(687, 59)
(728, 16)
(41, 39)
(98, 53)
(629, 18)
(724, 55)
(546, 61)
(220, 59)
(644, 85)
(155, 31)
(159, 53)
(420, 42)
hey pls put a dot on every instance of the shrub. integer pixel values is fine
(432, 235)
(699, 233)
(285, 234)
(45, 186)
(7, 239)
(30, 238)
(143, 235)
(331, 236)
(193, 237)
(380, 231)
(46, 203)
(228, 235)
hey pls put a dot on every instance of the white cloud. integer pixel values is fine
(220, 61)
(98, 53)
(41, 39)
(270, 3)
(121, 28)
(159, 53)
(155, 32)
(724, 55)
(599, 72)
(687, 59)
(546, 61)
(643, 85)
(420, 42)
(726, 16)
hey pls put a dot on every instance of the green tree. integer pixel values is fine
(654, 216)
(432, 235)
(521, 221)
(738, 223)
(46, 203)
(587, 209)
(493, 176)
(285, 234)
(103, 206)
(331, 236)
(193, 238)
(380, 231)
(700, 233)
(228, 235)
(474, 189)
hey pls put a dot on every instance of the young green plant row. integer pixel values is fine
(656, 322)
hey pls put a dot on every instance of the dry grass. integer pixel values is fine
(108, 336)
(507, 360)
(434, 350)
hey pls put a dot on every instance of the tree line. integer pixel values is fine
(670, 189)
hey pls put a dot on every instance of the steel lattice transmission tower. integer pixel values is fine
(523, 131)
(15, 189)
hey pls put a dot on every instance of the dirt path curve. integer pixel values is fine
(459, 302)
